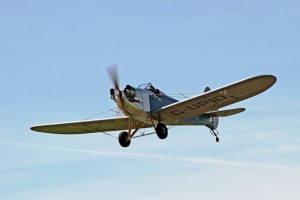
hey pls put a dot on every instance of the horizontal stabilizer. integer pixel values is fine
(225, 113)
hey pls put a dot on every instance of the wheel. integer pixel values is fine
(123, 139)
(161, 131)
(217, 139)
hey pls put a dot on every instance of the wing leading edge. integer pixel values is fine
(215, 99)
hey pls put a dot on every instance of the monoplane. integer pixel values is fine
(146, 106)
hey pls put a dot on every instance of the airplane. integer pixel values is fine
(146, 106)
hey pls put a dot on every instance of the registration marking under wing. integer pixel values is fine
(215, 99)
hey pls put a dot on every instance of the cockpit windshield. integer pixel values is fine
(144, 86)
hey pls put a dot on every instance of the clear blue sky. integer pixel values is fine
(53, 59)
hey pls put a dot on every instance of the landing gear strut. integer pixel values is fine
(215, 133)
(125, 137)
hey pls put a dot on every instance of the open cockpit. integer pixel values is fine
(150, 87)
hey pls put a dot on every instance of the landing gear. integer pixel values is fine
(161, 131)
(124, 139)
(215, 133)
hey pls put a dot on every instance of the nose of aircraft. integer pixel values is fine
(119, 95)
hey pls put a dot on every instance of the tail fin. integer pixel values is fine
(214, 120)
(207, 89)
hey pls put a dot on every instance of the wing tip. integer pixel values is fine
(272, 79)
(36, 129)
(33, 128)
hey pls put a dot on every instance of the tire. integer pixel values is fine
(123, 139)
(161, 131)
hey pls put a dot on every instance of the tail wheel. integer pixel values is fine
(124, 139)
(161, 131)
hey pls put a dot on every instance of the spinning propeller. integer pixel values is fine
(113, 73)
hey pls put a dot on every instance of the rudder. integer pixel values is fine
(214, 120)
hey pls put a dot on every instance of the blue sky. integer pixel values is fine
(53, 59)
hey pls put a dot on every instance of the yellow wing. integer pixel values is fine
(88, 126)
(214, 99)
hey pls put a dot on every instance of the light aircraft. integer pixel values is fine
(146, 106)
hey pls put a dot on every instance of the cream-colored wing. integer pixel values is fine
(214, 99)
(88, 126)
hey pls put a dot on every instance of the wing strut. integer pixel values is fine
(136, 129)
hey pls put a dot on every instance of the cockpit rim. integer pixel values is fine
(145, 85)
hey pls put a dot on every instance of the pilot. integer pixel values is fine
(156, 91)
(130, 93)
